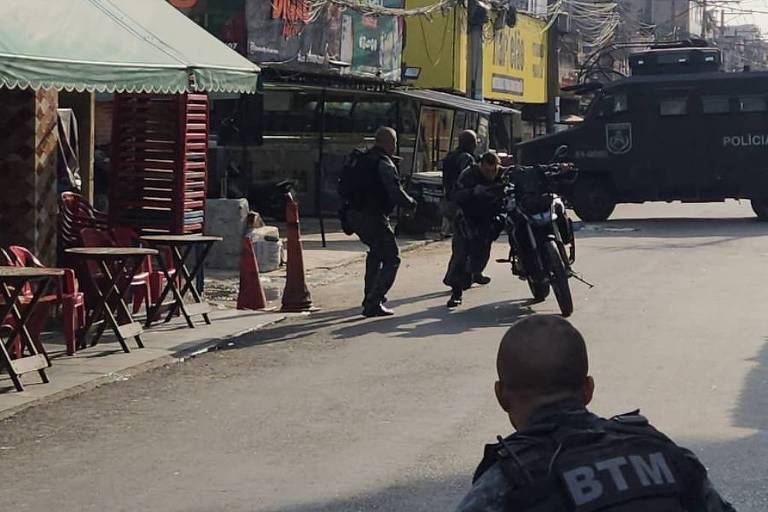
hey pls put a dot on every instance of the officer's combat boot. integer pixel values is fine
(455, 299)
(377, 310)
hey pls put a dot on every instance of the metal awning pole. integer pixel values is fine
(319, 170)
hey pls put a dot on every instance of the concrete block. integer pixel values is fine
(225, 218)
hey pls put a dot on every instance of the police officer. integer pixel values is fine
(380, 191)
(453, 164)
(563, 457)
(478, 195)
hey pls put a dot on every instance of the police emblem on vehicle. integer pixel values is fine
(618, 138)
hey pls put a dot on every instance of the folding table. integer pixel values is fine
(181, 248)
(12, 283)
(118, 267)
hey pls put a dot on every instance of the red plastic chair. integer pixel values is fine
(140, 285)
(68, 295)
(76, 214)
(126, 237)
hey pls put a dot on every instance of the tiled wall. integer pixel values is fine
(28, 156)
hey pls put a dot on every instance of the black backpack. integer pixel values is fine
(352, 179)
(452, 169)
(351, 187)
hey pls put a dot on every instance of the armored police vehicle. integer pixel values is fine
(677, 129)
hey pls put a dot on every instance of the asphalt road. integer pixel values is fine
(335, 413)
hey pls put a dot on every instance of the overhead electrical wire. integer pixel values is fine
(368, 7)
(596, 22)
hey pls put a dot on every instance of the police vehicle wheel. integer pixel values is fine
(559, 279)
(593, 200)
(760, 207)
(539, 289)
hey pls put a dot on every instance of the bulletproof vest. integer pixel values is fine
(363, 184)
(617, 465)
(479, 208)
(451, 168)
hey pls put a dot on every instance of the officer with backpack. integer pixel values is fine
(563, 457)
(370, 187)
(454, 163)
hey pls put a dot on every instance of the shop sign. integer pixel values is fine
(225, 19)
(438, 48)
(507, 84)
(515, 63)
(335, 41)
(294, 15)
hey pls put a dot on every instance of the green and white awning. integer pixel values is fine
(115, 46)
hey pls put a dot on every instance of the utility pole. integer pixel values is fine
(703, 19)
(553, 73)
(475, 19)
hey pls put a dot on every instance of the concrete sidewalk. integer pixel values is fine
(106, 362)
(321, 264)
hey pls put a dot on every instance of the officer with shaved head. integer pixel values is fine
(372, 196)
(564, 458)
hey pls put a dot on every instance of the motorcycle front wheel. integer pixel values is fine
(559, 278)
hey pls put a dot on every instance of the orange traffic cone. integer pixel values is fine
(250, 295)
(296, 296)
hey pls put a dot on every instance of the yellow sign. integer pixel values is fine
(438, 47)
(515, 63)
(514, 60)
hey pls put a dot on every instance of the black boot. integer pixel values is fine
(481, 279)
(376, 311)
(455, 299)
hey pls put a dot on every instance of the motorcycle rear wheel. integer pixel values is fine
(559, 279)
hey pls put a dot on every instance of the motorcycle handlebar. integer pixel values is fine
(563, 173)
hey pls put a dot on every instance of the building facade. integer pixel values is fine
(742, 48)
(667, 20)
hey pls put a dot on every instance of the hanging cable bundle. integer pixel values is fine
(372, 8)
(597, 22)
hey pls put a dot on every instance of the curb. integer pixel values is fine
(181, 356)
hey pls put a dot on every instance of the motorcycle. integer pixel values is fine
(539, 228)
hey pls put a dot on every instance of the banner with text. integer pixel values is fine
(281, 33)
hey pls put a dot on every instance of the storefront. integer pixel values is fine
(84, 48)
(442, 116)
(326, 77)
(302, 133)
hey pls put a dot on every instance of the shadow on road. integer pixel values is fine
(436, 320)
(741, 469)
(293, 330)
(420, 496)
(440, 321)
